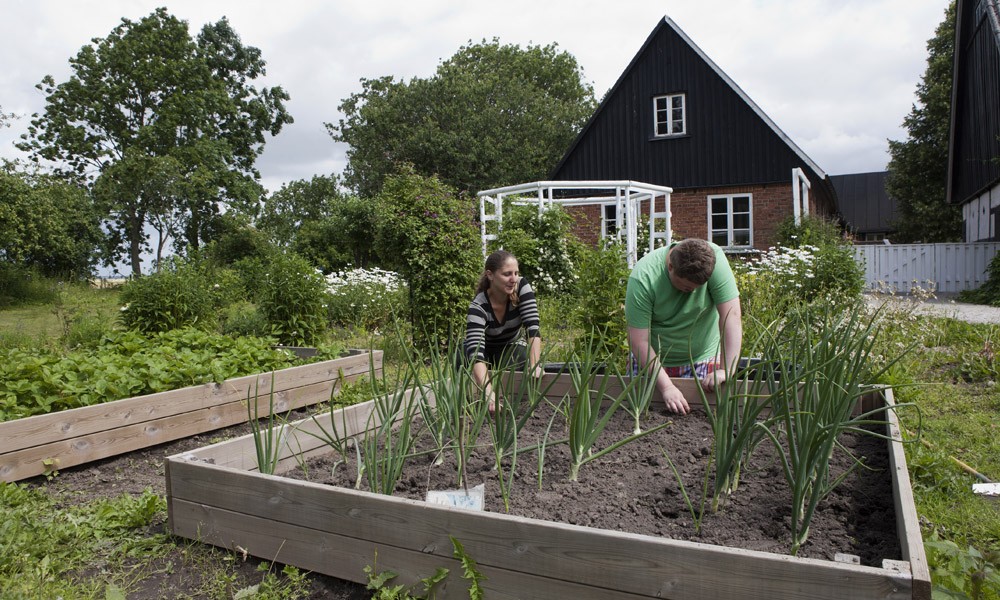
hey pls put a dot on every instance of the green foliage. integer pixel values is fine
(179, 295)
(42, 541)
(809, 231)
(470, 570)
(834, 271)
(292, 298)
(544, 246)
(166, 126)
(243, 318)
(127, 364)
(962, 572)
(918, 166)
(989, 292)
(235, 241)
(425, 232)
(48, 225)
(600, 311)
(342, 239)
(284, 212)
(446, 125)
(21, 285)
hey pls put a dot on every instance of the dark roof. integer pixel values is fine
(864, 204)
(731, 140)
(973, 145)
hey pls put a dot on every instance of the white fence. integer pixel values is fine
(949, 267)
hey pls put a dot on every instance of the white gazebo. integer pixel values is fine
(624, 196)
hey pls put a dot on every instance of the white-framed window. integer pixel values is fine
(730, 219)
(669, 115)
(609, 219)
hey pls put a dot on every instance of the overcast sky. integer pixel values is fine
(838, 76)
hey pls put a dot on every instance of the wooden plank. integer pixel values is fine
(25, 463)
(62, 425)
(907, 521)
(641, 565)
(346, 557)
(126, 435)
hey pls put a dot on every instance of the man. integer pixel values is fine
(680, 302)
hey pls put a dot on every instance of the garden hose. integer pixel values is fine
(962, 465)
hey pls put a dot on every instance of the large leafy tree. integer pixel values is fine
(298, 202)
(918, 167)
(47, 224)
(167, 127)
(493, 114)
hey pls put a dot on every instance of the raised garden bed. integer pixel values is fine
(216, 496)
(44, 443)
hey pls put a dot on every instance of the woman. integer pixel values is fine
(503, 305)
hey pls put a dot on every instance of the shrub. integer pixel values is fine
(367, 298)
(242, 319)
(178, 295)
(425, 232)
(989, 292)
(292, 298)
(600, 313)
(20, 285)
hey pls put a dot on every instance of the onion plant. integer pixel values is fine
(444, 399)
(335, 437)
(389, 437)
(831, 352)
(640, 395)
(586, 421)
(267, 438)
(736, 422)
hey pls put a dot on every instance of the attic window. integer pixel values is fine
(669, 115)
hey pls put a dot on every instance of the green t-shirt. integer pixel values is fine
(682, 326)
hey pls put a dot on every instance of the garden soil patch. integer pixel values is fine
(633, 489)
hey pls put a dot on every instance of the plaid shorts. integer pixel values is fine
(701, 369)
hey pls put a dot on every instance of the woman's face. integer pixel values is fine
(504, 279)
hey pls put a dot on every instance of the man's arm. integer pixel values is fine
(638, 340)
(731, 334)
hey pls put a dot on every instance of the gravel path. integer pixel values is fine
(944, 305)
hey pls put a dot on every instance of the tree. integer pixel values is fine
(166, 128)
(47, 224)
(491, 115)
(918, 166)
(296, 203)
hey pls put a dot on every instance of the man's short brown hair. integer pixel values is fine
(693, 260)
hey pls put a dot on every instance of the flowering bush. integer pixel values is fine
(544, 247)
(367, 298)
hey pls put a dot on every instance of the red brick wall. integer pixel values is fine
(772, 203)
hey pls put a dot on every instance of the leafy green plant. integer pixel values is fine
(178, 295)
(470, 570)
(126, 364)
(543, 244)
(378, 583)
(292, 297)
(962, 572)
(600, 312)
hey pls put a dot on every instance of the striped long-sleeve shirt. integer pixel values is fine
(483, 330)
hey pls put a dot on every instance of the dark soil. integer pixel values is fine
(633, 489)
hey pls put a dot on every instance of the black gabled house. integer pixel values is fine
(867, 211)
(974, 142)
(674, 118)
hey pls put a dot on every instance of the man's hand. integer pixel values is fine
(673, 398)
(713, 380)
